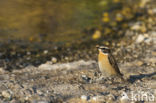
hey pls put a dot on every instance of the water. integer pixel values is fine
(50, 20)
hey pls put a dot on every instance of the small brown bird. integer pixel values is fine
(107, 63)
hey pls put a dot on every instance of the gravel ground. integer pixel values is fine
(80, 81)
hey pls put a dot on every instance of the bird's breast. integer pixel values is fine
(104, 65)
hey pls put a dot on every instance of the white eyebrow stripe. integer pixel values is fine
(102, 47)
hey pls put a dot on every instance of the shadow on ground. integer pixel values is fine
(133, 78)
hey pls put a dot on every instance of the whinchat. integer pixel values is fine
(107, 64)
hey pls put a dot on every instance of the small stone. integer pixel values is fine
(96, 35)
(28, 58)
(154, 53)
(40, 92)
(94, 98)
(6, 94)
(13, 53)
(140, 38)
(14, 101)
(148, 41)
(150, 11)
(136, 27)
(54, 60)
(48, 62)
(143, 29)
(84, 97)
(2, 71)
(28, 53)
(43, 102)
(153, 85)
(146, 35)
(66, 58)
(111, 98)
(45, 51)
(155, 92)
(139, 63)
(152, 60)
(85, 78)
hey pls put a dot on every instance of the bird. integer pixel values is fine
(107, 63)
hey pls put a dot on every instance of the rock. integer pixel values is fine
(154, 10)
(85, 98)
(140, 38)
(49, 62)
(96, 35)
(154, 53)
(45, 51)
(143, 3)
(95, 98)
(148, 40)
(66, 58)
(136, 27)
(139, 63)
(139, 26)
(54, 60)
(14, 101)
(155, 92)
(119, 17)
(153, 85)
(85, 78)
(28, 53)
(41, 101)
(111, 98)
(2, 71)
(6, 94)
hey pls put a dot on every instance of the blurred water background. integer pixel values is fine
(29, 28)
(51, 20)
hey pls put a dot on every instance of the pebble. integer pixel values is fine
(28, 53)
(85, 78)
(2, 71)
(45, 51)
(95, 98)
(84, 97)
(14, 101)
(34, 101)
(49, 62)
(96, 35)
(139, 63)
(140, 38)
(154, 10)
(148, 40)
(54, 60)
(6, 94)
(139, 27)
(111, 98)
(136, 27)
(155, 92)
(154, 53)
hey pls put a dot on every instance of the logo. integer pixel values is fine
(140, 95)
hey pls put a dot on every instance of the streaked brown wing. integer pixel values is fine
(114, 64)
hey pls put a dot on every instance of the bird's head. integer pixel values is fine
(103, 49)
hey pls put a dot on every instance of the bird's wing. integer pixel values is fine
(114, 64)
